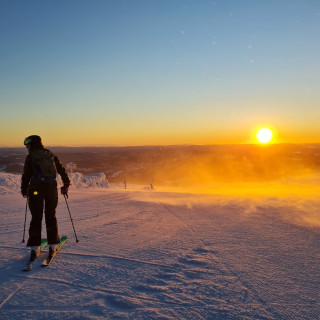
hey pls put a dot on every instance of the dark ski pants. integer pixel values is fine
(43, 196)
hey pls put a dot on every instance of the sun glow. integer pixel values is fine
(264, 135)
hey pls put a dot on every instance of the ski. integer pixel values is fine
(51, 255)
(29, 265)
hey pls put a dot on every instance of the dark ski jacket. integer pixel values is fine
(29, 172)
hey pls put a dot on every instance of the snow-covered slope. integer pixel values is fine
(166, 255)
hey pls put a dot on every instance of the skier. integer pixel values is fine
(39, 185)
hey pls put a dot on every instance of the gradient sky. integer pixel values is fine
(141, 72)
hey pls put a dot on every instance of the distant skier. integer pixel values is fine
(39, 185)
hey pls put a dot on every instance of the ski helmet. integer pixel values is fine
(33, 141)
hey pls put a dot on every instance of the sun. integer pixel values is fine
(264, 135)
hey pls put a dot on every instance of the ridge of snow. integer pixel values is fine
(10, 182)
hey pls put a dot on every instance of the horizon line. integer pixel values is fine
(166, 145)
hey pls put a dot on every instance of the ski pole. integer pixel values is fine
(25, 220)
(71, 218)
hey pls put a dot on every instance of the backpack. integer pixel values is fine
(44, 165)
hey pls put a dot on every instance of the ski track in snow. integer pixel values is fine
(153, 255)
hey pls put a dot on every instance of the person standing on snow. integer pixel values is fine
(39, 185)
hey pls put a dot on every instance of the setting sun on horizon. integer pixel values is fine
(264, 135)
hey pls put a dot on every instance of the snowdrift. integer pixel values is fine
(11, 182)
(94, 180)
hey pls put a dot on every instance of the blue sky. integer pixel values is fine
(158, 72)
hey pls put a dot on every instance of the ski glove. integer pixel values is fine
(64, 190)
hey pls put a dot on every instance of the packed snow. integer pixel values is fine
(224, 253)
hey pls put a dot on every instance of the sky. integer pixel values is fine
(149, 72)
